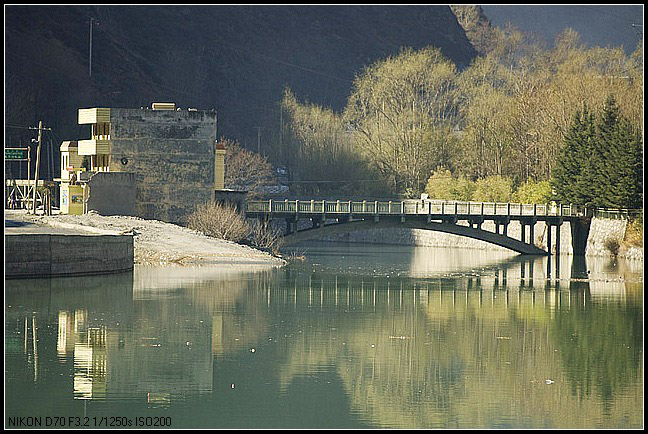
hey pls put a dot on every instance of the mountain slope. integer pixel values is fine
(235, 59)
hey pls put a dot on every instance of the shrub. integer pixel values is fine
(634, 233)
(612, 245)
(264, 236)
(493, 189)
(442, 185)
(246, 170)
(533, 192)
(219, 221)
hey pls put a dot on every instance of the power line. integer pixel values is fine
(110, 67)
(17, 127)
(282, 62)
(606, 13)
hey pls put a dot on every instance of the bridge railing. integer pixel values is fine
(617, 214)
(410, 207)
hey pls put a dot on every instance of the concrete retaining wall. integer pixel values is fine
(112, 193)
(51, 255)
(602, 230)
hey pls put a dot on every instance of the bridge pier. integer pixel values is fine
(476, 222)
(291, 225)
(555, 224)
(317, 222)
(531, 235)
(522, 232)
(579, 232)
(501, 226)
(530, 223)
(450, 220)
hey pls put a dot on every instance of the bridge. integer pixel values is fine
(438, 215)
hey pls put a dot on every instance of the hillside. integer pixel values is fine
(476, 25)
(235, 59)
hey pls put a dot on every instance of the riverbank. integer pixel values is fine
(156, 243)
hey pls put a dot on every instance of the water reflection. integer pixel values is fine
(443, 340)
(425, 354)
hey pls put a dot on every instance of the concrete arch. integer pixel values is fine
(465, 231)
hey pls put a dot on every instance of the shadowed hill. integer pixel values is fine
(235, 59)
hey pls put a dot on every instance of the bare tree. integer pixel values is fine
(246, 170)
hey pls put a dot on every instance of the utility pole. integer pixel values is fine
(281, 127)
(259, 140)
(90, 57)
(38, 152)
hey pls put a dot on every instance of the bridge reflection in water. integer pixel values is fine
(444, 347)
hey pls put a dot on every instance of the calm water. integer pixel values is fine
(353, 337)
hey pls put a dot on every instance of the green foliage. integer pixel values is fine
(601, 162)
(624, 166)
(442, 185)
(493, 189)
(577, 165)
(533, 192)
(520, 111)
(320, 154)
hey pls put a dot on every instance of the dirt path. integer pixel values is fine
(156, 242)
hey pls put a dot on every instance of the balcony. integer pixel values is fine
(94, 116)
(100, 145)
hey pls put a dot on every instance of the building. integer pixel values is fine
(157, 163)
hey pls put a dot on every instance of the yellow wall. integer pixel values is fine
(71, 199)
(219, 170)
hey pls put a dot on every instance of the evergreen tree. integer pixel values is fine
(620, 183)
(603, 184)
(601, 163)
(626, 173)
(573, 166)
(591, 156)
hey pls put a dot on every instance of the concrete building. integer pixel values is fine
(157, 163)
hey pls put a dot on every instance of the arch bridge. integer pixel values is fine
(438, 215)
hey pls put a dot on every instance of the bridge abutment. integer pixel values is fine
(579, 233)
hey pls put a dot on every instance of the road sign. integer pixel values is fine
(16, 154)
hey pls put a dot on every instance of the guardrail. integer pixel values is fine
(413, 207)
(617, 214)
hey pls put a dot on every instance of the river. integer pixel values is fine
(355, 336)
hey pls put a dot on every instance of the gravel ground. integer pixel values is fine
(156, 242)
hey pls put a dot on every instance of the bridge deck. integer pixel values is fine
(364, 209)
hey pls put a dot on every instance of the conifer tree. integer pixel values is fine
(604, 183)
(620, 183)
(568, 181)
(601, 163)
(624, 165)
